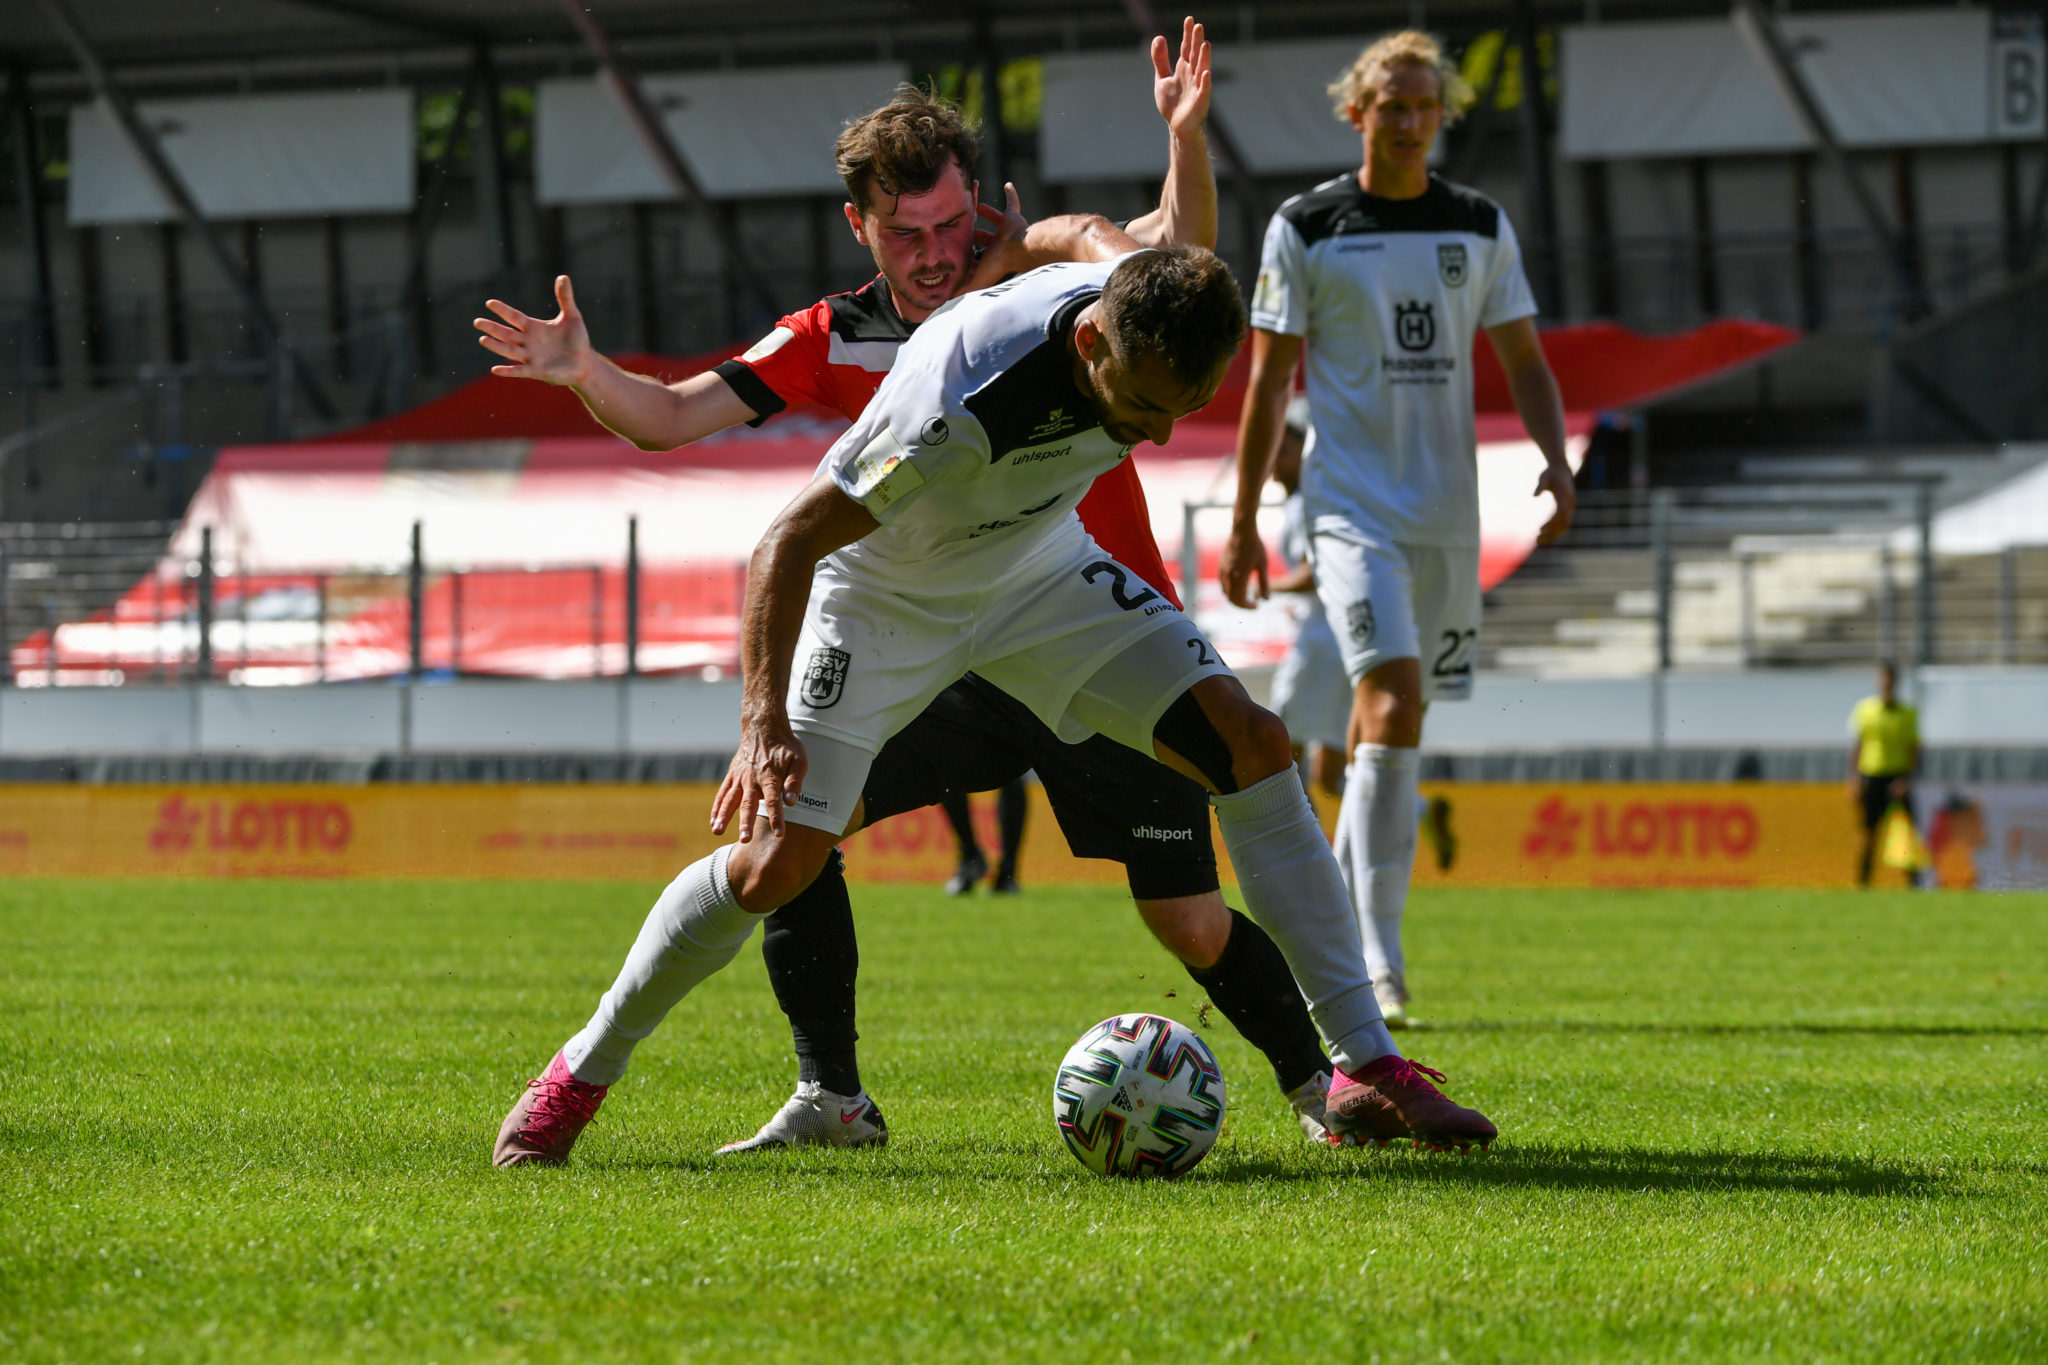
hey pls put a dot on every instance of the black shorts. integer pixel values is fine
(1878, 798)
(1111, 801)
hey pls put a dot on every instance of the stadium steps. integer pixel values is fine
(69, 571)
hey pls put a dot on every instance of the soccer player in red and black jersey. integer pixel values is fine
(908, 172)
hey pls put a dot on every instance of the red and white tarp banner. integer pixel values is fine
(524, 507)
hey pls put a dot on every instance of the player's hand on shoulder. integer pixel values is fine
(553, 350)
(1180, 88)
(1558, 483)
(766, 774)
(1244, 562)
(999, 237)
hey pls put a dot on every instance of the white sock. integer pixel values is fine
(1376, 827)
(695, 928)
(1293, 889)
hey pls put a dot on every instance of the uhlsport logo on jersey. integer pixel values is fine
(1358, 617)
(825, 677)
(1415, 325)
(1451, 262)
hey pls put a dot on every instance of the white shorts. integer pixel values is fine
(1075, 636)
(1387, 602)
(1310, 690)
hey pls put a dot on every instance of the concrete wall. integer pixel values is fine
(468, 717)
(1959, 706)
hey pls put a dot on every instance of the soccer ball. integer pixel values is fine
(1139, 1095)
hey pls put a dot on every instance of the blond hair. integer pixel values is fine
(1358, 87)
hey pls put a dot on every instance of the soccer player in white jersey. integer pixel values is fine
(1384, 276)
(939, 537)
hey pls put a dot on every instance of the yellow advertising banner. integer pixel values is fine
(1509, 834)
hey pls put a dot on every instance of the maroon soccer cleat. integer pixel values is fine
(546, 1122)
(1393, 1099)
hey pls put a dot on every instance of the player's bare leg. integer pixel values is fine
(1291, 883)
(1377, 821)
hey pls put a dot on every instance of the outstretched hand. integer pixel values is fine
(1181, 89)
(997, 236)
(554, 351)
(1558, 483)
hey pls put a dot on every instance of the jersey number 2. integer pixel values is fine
(1456, 658)
(1119, 585)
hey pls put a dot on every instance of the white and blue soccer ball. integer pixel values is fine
(1139, 1095)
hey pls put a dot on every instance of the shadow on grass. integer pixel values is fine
(1630, 1168)
(1511, 1166)
(1762, 1028)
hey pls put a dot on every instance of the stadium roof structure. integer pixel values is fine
(235, 39)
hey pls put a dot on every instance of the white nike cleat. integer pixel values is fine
(1308, 1100)
(816, 1117)
(1392, 993)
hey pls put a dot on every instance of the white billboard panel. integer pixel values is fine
(251, 156)
(1894, 79)
(1099, 123)
(743, 134)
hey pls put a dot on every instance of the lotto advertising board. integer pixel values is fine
(1612, 835)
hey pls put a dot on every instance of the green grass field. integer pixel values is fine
(253, 1121)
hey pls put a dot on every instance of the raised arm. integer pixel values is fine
(768, 768)
(1258, 437)
(650, 414)
(1187, 202)
(1537, 399)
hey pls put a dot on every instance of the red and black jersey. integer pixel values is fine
(835, 353)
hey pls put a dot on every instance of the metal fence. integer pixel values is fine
(109, 605)
(1762, 575)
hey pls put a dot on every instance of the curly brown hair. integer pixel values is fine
(1180, 302)
(904, 147)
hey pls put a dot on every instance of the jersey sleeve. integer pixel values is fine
(1508, 296)
(914, 435)
(786, 366)
(1280, 302)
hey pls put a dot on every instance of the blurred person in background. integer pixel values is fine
(1383, 278)
(1882, 760)
(1011, 802)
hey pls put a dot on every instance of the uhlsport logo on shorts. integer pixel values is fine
(1450, 262)
(825, 677)
(1358, 618)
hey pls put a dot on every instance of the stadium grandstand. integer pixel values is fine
(1790, 277)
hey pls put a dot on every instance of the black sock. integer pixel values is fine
(1250, 983)
(955, 805)
(812, 959)
(1010, 806)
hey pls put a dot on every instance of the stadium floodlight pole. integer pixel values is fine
(647, 126)
(172, 186)
(1251, 201)
(1766, 42)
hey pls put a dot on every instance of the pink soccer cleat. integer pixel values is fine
(1392, 1099)
(549, 1117)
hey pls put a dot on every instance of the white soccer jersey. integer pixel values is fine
(1389, 294)
(979, 444)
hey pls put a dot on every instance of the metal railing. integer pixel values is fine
(1743, 576)
(113, 607)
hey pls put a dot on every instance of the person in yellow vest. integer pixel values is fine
(1882, 760)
